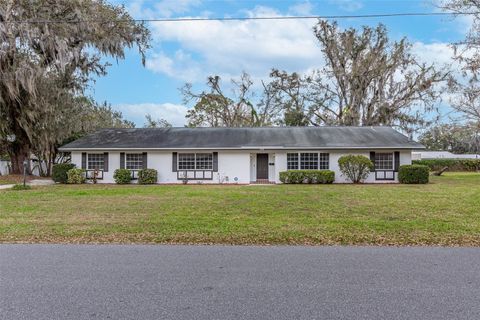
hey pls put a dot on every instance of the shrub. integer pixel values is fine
(21, 187)
(122, 176)
(59, 172)
(452, 164)
(307, 176)
(355, 167)
(147, 176)
(413, 173)
(76, 176)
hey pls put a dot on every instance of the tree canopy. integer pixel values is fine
(50, 49)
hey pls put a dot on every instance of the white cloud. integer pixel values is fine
(227, 48)
(173, 113)
(180, 66)
(304, 8)
(440, 53)
(164, 8)
(348, 5)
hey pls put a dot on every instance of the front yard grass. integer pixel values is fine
(444, 212)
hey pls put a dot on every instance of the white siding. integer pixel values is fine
(235, 164)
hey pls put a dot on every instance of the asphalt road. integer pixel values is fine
(222, 282)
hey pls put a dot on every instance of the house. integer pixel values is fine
(428, 155)
(239, 155)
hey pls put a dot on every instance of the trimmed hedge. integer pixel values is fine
(59, 172)
(307, 176)
(122, 176)
(452, 164)
(413, 174)
(355, 167)
(147, 176)
(76, 176)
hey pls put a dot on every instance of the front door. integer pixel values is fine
(262, 166)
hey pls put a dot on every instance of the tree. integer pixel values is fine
(367, 80)
(468, 50)
(156, 123)
(464, 138)
(290, 94)
(215, 109)
(467, 90)
(355, 167)
(59, 42)
(71, 117)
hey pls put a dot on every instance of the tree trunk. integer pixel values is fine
(18, 154)
(19, 151)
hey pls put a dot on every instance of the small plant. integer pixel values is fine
(122, 176)
(413, 174)
(147, 176)
(96, 173)
(355, 167)
(59, 172)
(307, 176)
(76, 176)
(19, 187)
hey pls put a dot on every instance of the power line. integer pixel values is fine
(357, 16)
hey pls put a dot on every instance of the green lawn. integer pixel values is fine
(444, 212)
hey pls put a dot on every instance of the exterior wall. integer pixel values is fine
(235, 166)
(405, 158)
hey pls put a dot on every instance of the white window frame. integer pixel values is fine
(138, 163)
(102, 157)
(207, 165)
(385, 161)
(292, 164)
(323, 160)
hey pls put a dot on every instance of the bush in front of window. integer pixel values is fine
(122, 176)
(76, 176)
(355, 167)
(59, 172)
(413, 174)
(147, 176)
(307, 176)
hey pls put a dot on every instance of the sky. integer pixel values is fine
(184, 52)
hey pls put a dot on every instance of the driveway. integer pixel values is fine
(226, 282)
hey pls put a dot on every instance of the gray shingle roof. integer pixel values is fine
(245, 138)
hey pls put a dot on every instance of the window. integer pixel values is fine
(308, 161)
(383, 161)
(134, 161)
(186, 161)
(204, 161)
(324, 161)
(292, 161)
(195, 161)
(96, 161)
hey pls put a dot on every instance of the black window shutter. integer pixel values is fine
(105, 162)
(122, 160)
(372, 158)
(215, 162)
(396, 163)
(84, 160)
(174, 162)
(144, 160)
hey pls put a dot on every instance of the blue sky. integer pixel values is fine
(190, 51)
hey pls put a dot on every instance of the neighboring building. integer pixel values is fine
(4, 167)
(239, 155)
(425, 155)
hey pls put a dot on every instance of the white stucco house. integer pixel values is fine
(239, 155)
